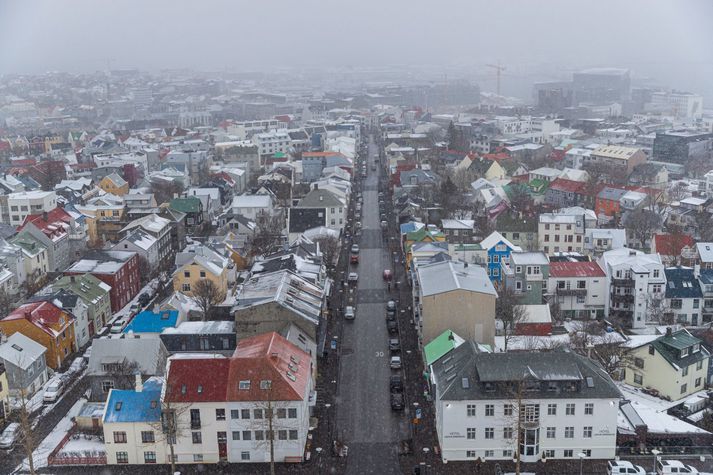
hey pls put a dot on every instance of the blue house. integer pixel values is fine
(684, 297)
(132, 405)
(150, 322)
(498, 250)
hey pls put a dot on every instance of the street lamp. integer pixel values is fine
(581, 456)
(656, 452)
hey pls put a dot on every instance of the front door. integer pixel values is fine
(223, 446)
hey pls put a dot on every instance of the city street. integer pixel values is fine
(365, 421)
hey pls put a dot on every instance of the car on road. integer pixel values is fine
(623, 467)
(395, 362)
(349, 313)
(10, 435)
(397, 401)
(391, 307)
(53, 390)
(384, 225)
(388, 275)
(390, 317)
(78, 364)
(144, 299)
(396, 384)
(118, 325)
(355, 248)
(392, 327)
(354, 259)
(394, 345)
(353, 277)
(668, 467)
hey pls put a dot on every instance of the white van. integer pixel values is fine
(667, 467)
(623, 467)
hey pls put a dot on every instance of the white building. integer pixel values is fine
(272, 142)
(579, 288)
(26, 203)
(564, 230)
(682, 105)
(253, 206)
(635, 283)
(567, 405)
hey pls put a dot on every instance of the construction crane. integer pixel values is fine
(498, 70)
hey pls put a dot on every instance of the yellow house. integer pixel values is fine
(198, 262)
(104, 221)
(675, 365)
(114, 184)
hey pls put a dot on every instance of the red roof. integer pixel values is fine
(42, 314)
(23, 162)
(576, 269)
(672, 244)
(319, 154)
(53, 224)
(266, 357)
(569, 186)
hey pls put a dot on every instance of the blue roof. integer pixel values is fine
(127, 405)
(681, 283)
(706, 276)
(409, 227)
(149, 322)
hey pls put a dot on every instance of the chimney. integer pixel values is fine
(316, 186)
(44, 215)
(139, 384)
(697, 271)
(668, 331)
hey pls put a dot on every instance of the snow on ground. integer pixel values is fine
(53, 439)
(634, 394)
(83, 445)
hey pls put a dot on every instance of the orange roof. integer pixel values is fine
(672, 244)
(41, 314)
(319, 154)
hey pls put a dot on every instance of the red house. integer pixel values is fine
(118, 269)
(536, 321)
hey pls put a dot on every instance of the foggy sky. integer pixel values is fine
(668, 39)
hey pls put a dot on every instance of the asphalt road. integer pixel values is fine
(365, 420)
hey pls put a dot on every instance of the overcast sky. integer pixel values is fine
(665, 38)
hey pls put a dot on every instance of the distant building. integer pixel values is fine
(680, 146)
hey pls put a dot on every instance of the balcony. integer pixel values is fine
(623, 298)
(572, 292)
(622, 282)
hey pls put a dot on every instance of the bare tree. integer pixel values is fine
(34, 282)
(267, 236)
(641, 224)
(165, 191)
(27, 435)
(172, 425)
(704, 226)
(612, 354)
(658, 310)
(329, 247)
(509, 311)
(206, 295)
(6, 303)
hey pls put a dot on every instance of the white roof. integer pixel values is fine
(251, 201)
(705, 251)
(21, 351)
(494, 238)
(200, 328)
(536, 314)
(440, 277)
(529, 258)
(457, 223)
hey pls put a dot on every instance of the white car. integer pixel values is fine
(395, 362)
(349, 313)
(9, 436)
(624, 467)
(53, 390)
(77, 365)
(668, 467)
(118, 326)
(353, 277)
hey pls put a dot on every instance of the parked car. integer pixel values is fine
(353, 277)
(668, 467)
(623, 467)
(387, 275)
(354, 259)
(10, 435)
(392, 327)
(397, 401)
(349, 313)
(391, 307)
(373, 166)
(395, 362)
(118, 325)
(53, 390)
(384, 225)
(396, 385)
(394, 345)
(144, 299)
(78, 364)
(355, 248)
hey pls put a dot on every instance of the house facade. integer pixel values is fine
(25, 364)
(578, 288)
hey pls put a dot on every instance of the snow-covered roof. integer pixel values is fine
(446, 276)
(21, 351)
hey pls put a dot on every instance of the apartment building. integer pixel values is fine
(564, 230)
(579, 288)
(527, 273)
(617, 156)
(25, 203)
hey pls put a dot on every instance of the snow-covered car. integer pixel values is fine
(624, 467)
(355, 248)
(353, 277)
(53, 390)
(395, 362)
(78, 364)
(349, 313)
(118, 325)
(9, 436)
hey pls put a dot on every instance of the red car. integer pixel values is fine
(354, 258)
(388, 275)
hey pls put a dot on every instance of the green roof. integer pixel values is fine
(441, 345)
(86, 286)
(467, 247)
(669, 347)
(538, 186)
(279, 155)
(190, 204)
(421, 234)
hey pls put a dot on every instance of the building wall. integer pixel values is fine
(58, 349)
(134, 447)
(30, 380)
(109, 186)
(186, 278)
(271, 317)
(590, 305)
(469, 314)
(560, 237)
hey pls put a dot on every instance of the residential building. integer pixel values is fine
(562, 192)
(704, 251)
(192, 207)
(519, 230)
(635, 285)
(193, 337)
(454, 296)
(674, 249)
(84, 328)
(232, 405)
(118, 269)
(674, 364)
(458, 230)
(25, 203)
(93, 292)
(53, 229)
(681, 105)
(526, 273)
(619, 157)
(197, 262)
(254, 206)
(46, 324)
(684, 297)
(597, 241)
(115, 363)
(24, 363)
(578, 288)
(114, 184)
(561, 403)
(271, 143)
(608, 202)
(497, 250)
(150, 324)
(150, 238)
(35, 257)
(133, 431)
(564, 230)
(336, 209)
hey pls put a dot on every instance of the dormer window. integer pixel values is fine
(684, 352)
(696, 348)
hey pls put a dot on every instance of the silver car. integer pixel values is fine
(10, 436)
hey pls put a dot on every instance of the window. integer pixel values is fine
(507, 453)
(120, 437)
(257, 413)
(684, 371)
(470, 454)
(147, 437)
(507, 433)
(220, 414)
(684, 388)
(259, 435)
(282, 434)
(197, 437)
(244, 385)
(696, 303)
(202, 274)
(122, 457)
(282, 413)
(569, 453)
(551, 432)
(236, 435)
(292, 413)
(470, 433)
(244, 456)
(265, 384)
(195, 418)
(186, 274)
(698, 382)
(652, 350)
(587, 452)
(245, 413)
(569, 432)
(186, 287)
(656, 273)
(684, 351)
(699, 365)
(507, 409)
(552, 409)
(569, 409)
(638, 379)
(589, 409)
(587, 432)
(489, 453)
(549, 454)
(234, 414)
(293, 434)
(489, 433)
(247, 435)
(489, 409)
(470, 410)
(149, 457)
(197, 457)
(107, 386)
